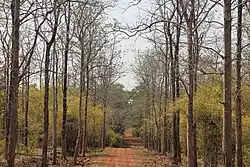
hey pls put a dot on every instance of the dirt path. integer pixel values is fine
(131, 155)
(123, 157)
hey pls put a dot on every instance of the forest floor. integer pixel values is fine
(131, 154)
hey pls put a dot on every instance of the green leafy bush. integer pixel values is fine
(115, 139)
(136, 131)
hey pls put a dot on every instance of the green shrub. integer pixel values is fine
(115, 139)
(136, 131)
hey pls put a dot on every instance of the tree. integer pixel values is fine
(239, 160)
(227, 119)
(14, 81)
(49, 44)
(191, 148)
(65, 80)
(55, 102)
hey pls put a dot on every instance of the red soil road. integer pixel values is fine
(123, 157)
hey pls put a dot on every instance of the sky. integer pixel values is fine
(129, 46)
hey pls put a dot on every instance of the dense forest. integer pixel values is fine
(61, 60)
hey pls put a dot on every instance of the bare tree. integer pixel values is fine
(49, 44)
(239, 158)
(14, 81)
(65, 80)
(227, 119)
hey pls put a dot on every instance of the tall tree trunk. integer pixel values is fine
(177, 71)
(22, 107)
(85, 144)
(14, 82)
(173, 93)
(191, 154)
(239, 160)
(26, 124)
(189, 18)
(65, 80)
(165, 136)
(78, 146)
(227, 119)
(103, 143)
(194, 144)
(103, 140)
(86, 109)
(46, 89)
(55, 103)
(6, 118)
(41, 68)
(46, 109)
(146, 115)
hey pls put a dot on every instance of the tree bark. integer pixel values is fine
(55, 104)
(46, 89)
(80, 121)
(165, 145)
(190, 130)
(14, 82)
(227, 119)
(103, 142)
(65, 86)
(177, 80)
(26, 124)
(6, 117)
(86, 111)
(191, 148)
(239, 159)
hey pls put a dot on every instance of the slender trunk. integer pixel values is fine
(196, 56)
(194, 144)
(46, 109)
(147, 116)
(65, 86)
(104, 125)
(94, 104)
(190, 131)
(165, 136)
(175, 138)
(190, 18)
(146, 143)
(22, 106)
(103, 142)
(173, 93)
(227, 119)
(46, 91)
(176, 57)
(86, 111)
(85, 145)
(178, 136)
(153, 115)
(78, 146)
(55, 104)
(41, 69)
(205, 145)
(6, 120)
(14, 79)
(83, 71)
(239, 160)
(26, 124)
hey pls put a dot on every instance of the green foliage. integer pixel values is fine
(115, 139)
(116, 114)
(35, 119)
(136, 131)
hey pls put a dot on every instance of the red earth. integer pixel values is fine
(123, 157)
(131, 155)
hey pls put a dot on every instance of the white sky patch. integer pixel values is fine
(129, 46)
